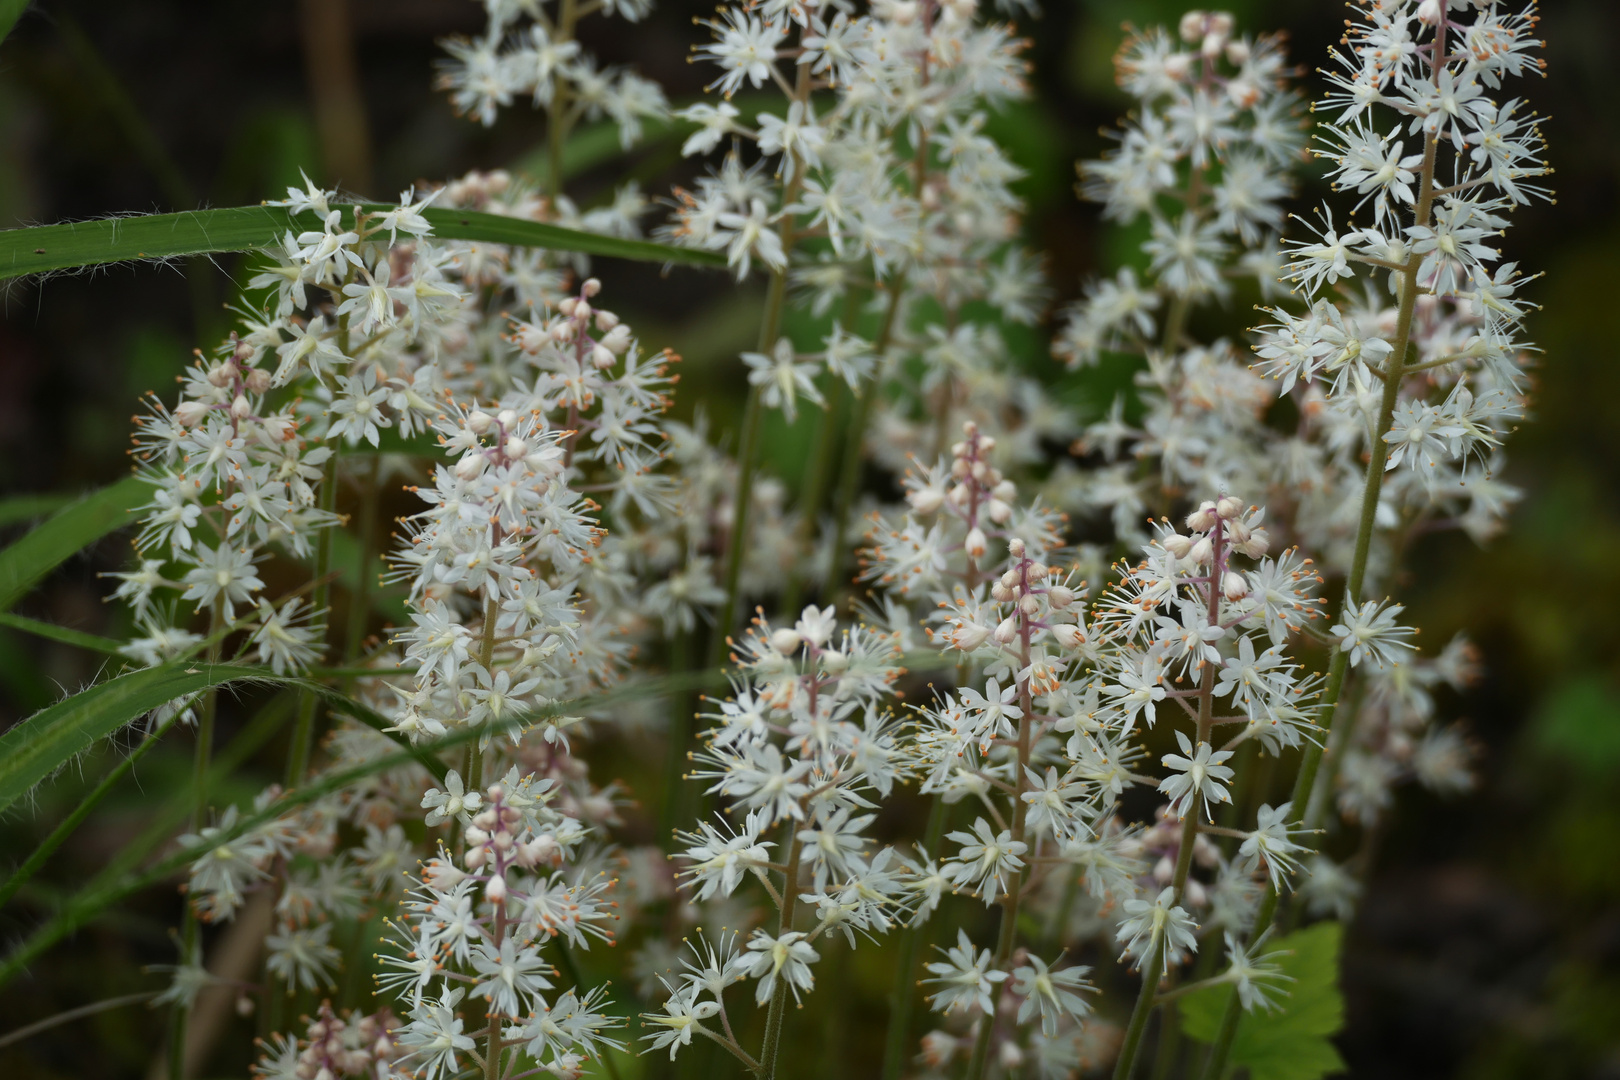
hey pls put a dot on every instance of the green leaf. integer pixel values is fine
(74, 244)
(1293, 1042)
(52, 632)
(71, 530)
(37, 747)
(10, 12)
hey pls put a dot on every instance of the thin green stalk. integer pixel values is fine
(770, 328)
(773, 1018)
(191, 929)
(31, 865)
(303, 735)
(486, 657)
(1189, 829)
(70, 1015)
(557, 119)
(360, 602)
(680, 741)
(849, 480)
(903, 999)
(818, 470)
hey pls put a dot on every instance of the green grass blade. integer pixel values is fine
(52, 632)
(37, 747)
(28, 507)
(25, 562)
(75, 244)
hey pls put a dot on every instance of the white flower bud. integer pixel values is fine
(471, 466)
(1237, 52)
(191, 413)
(986, 444)
(241, 408)
(1002, 594)
(475, 835)
(496, 889)
(1029, 605)
(1010, 578)
(960, 468)
(1036, 571)
(258, 380)
(567, 305)
(563, 330)
(1229, 508)
(1007, 629)
(926, 500)
(1006, 491)
(606, 320)
(602, 357)
(999, 511)
(1176, 544)
(1428, 12)
(1178, 66)
(222, 374)
(1203, 518)
(834, 662)
(508, 418)
(975, 544)
(1256, 545)
(480, 422)
(475, 857)
(582, 311)
(1191, 26)
(1015, 548)
(485, 819)
(591, 287)
(961, 495)
(1069, 635)
(979, 470)
(515, 448)
(1202, 551)
(1234, 585)
(1060, 597)
(786, 641)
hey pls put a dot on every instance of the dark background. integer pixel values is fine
(1489, 941)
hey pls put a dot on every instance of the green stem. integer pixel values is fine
(903, 1000)
(486, 657)
(303, 736)
(849, 479)
(680, 741)
(778, 1008)
(360, 602)
(190, 929)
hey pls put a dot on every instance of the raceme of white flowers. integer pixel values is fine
(566, 533)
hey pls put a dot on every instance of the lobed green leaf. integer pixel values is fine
(1293, 1042)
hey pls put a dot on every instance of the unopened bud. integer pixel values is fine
(222, 374)
(1202, 551)
(786, 641)
(616, 340)
(1007, 629)
(1428, 12)
(240, 408)
(999, 511)
(480, 422)
(516, 448)
(1229, 508)
(602, 357)
(926, 500)
(1203, 518)
(1234, 585)
(1069, 635)
(496, 889)
(1060, 596)
(591, 287)
(567, 305)
(834, 662)
(258, 380)
(190, 413)
(508, 418)
(975, 544)
(1015, 548)
(1191, 26)
(1176, 544)
(471, 466)
(606, 320)
(1029, 605)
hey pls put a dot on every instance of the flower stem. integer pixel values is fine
(1338, 723)
(303, 735)
(773, 1018)
(360, 601)
(904, 998)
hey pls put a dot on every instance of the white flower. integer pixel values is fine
(787, 957)
(1271, 844)
(453, 802)
(223, 575)
(1368, 631)
(1158, 926)
(1054, 994)
(1197, 777)
(964, 978)
(782, 378)
(986, 859)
